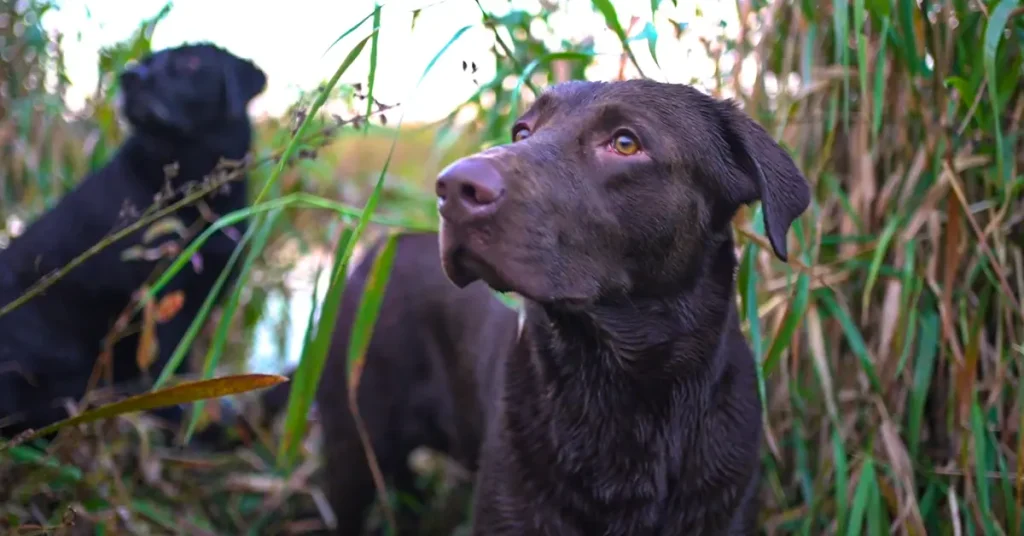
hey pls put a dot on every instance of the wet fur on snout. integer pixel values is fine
(629, 404)
(185, 106)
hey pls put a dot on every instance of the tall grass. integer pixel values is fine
(889, 347)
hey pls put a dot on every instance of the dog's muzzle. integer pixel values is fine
(141, 102)
(469, 193)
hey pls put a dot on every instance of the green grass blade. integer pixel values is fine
(876, 261)
(220, 338)
(314, 356)
(924, 366)
(867, 485)
(878, 94)
(841, 29)
(294, 200)
(181, 351)
(295, 423)
(997, 22)
(369, 309)
(853, 337)
(321, 98)
(982, 467)
(349, 31)
(842, 478)
(371, 80)
(795, 315)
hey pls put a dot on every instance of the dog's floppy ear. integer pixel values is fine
(243, 80)
(767, 173)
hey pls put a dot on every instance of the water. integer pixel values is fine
(268, 355)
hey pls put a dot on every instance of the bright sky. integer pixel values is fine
(288, 41)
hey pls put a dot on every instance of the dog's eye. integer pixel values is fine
(625, 144)
(520, 133)
(188, 64)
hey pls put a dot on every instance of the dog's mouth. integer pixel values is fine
(466, 259)
(465, 266)
(150, 113)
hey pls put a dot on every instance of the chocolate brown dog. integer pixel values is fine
(187, 108)
(626, 404)
(629, 404)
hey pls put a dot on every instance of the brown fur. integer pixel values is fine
(628, 403)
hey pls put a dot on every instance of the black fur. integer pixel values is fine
(186, 106)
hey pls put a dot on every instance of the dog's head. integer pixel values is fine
(189, 89)
(611, 189)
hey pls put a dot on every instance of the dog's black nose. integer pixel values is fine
(471, 185)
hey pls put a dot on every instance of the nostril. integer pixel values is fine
(479, 194)
(441, 190)
(469, 192)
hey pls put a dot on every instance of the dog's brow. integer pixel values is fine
(612, 115)
(541, 108)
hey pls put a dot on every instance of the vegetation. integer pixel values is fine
(890, 347)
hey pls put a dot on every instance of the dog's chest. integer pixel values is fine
(589, 467)
(616, 460)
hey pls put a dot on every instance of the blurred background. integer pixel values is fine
(890, 349)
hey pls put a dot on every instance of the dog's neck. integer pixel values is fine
(615, 390)
(151, 153)
(649, 338)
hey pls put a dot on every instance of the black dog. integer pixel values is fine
(187, 107)
(629, 404)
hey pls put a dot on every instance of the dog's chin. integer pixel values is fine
(463, 267)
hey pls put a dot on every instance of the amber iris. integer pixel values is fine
(625, 144)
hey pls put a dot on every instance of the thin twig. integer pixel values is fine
(371, 460)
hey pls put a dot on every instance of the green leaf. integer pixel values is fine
(650, 34)
(528, 71)
(611, 18)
